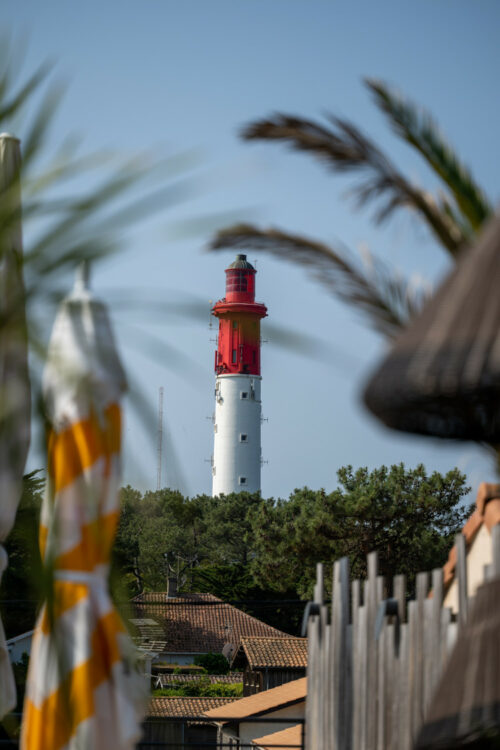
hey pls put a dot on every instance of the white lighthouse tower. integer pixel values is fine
(237, 455)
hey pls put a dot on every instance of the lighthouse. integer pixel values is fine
(237, 459)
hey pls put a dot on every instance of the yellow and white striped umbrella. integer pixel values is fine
(83, 690)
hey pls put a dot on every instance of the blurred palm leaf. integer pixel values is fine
(66, 223)
(77, 208)
(344, 148)
(419, 129)
(386, 300)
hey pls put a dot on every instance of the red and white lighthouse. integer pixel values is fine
(237, 453)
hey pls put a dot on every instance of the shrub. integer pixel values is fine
(202, 688)
(213, 663)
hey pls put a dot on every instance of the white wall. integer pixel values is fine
(479, 554)
(19, 645)
(235, 457)
(178, 658)
(249, 731)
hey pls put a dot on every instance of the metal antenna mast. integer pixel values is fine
(160, 437)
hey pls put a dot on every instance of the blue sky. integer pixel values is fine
(168, 77)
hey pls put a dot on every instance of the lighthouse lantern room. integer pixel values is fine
(236, 461)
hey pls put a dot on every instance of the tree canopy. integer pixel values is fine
(410, 518)
(242, 546)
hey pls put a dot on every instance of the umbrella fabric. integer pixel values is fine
(83, 688)
(15, 403)
(442, 377)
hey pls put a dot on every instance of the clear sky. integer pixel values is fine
(168, 77)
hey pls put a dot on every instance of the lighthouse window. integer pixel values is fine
(234, 356)
(242, 480)
(244, 394)
(243, 437)
(235, 324)
(236, 281)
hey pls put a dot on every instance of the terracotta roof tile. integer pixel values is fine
(259, 703)
(487, 511)
(198, 623)
(291, 737)
(264, 652)
(160, 597)
(159, 707)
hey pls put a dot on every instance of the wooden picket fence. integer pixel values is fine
(374, 663)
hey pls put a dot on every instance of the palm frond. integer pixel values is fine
(344, 148)
(386, 300)
(12, 106)
(420, 130)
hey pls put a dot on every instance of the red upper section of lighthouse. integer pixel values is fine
(238, 349)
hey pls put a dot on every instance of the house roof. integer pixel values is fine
(197, 623)
(161, 707)
(487, 512)
(261, 703)
(148, 634)
(264, 651)
(291, 737)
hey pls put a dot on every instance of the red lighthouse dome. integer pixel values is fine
(238, 349)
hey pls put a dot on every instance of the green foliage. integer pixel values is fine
(213, 663)
(259, 552)
(202, 687)
(408, 517)
(419, 129)
(164, 531)
(208, 541)
(21, 583)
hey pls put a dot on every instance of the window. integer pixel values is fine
(244, 394)
(242, 480)
(213, 471)
(243, 437)
(235, 324)
(254, 356)
(236, 281)
(234, 356)
(215, 427)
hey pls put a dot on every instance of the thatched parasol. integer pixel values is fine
(442, 376)
(465, 710)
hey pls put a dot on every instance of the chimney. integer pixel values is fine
(171, 587)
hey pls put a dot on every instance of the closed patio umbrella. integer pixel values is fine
(83, 688)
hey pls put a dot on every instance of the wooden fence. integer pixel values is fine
(374, 662)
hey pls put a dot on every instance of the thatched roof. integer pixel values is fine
(442, 376)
